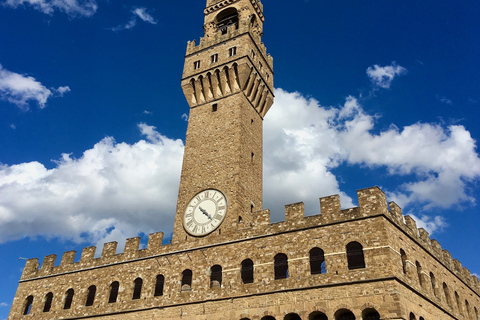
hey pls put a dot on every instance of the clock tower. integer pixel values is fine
(228, 83)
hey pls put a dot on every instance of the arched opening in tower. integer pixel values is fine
(226, 18)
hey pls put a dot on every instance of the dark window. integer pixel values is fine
(344, 315)
(355, 257)
(28, 305)
(434, 283)
(317, 315)
(317, 261)
(196, 65)
(214, 107)
(459, 306)
(113, 292)
(419, 272)
(92, 290)
(292, 316)
(404, 261)
(247, 271)
(476, 313)
(268, 318)
(370, 314)
(467, 307)
(227, 18)
(137, 288)
(187, 280)
(214, 58)
(280, 266)
(253, 54)
(412, 316)
(232, 51)
(216, 276)
(447, 294)
(48, 302)
(68, 299)
(421, 318)
(159, 285)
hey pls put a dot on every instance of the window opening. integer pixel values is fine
(467, 307)
(371, 314)
(187, 280)
(216, 276)
(404, 261)
(48, 302)
(434, 283)
(240, 219)
(260, 66)
(196, 65)
(137, 289)
(214, 107)
(28, 305)
(253, 55)
(317, 315)
(344, 315)
(419, 272)
(68, 299)
(214, 58)
(226, 18)
(355, 257)
(232, 51)
(457, 299)
(447, 294)
(281, 266)
(412, 316)
(317, 261)
(253, 155)
(159, 285)
(113, 292)
(92, 290)
(292, 316)
(247, 271)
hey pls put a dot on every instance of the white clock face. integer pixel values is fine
(205, 212)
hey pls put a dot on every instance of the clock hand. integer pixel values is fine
(205, 213)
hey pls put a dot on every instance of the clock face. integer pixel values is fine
(205, 212)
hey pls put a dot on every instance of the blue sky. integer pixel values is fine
(92, 117)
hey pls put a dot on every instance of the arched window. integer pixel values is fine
(457, 300)
(28, 305)
(419, 272)
(467, 308)
(113, 292)
(370, 314)
(355, 257)
(317, 315)
(48, 302)
(187, 280)
(216, 276)
(412, 316)
(344, 314)
(247, 271)
(292, 316)
(476, 313)
(434, 283)
(159, 285)
(404, 261)
(317, 261)
(92, 290)
(268, 318)
(421, 318)
(137, 288)
(447, 294)
(68, 299)
(227, 18)
(280, 266)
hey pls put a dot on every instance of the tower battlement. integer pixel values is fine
(372, 202)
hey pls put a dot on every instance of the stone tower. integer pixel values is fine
(228, 83)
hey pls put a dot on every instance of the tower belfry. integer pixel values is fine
(228, 83)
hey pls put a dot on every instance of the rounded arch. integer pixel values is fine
(92, 290)
(159, 283)
(419, 272)
(187, 276)
(403, 256)
(412, 316)
(446, 292)
(226, 18)
(68, 298)
(137, 288)
(28, 305)
(355, 257)
(344, 314)
(280, 266)
(113, 292)
(317, 261)
(292, 316)
(268, 318)
(317, 315)
(246, 271)
(48, 302)
(216, 276)
(370, 314)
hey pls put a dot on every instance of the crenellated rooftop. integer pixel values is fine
(372, 202)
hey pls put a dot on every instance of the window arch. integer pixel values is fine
(447, 294)
(280, 266)
(187, 280)
(92, 290)
(68, 299)
(216, 276)
(404, 261)
(317, 315)
(317, 261)
(48, 302)
(457, 300)
(246, 271)
(355, 257)
(370, 314)
(292, 316)
(467, 308)
(412, 316)
(476, 313)
(434, 283)
(137, 288)
(159, 285)
(419, 273)
(344, 314)
(28, 305)
(268, 318)
(227, 18)
(421, 318)
(113, 292)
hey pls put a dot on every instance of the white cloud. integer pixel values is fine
(430, 224)
(185, 117)
(73, 8)
(147, 112)
(20, 89)
(114, 191)
(444, 99)
(137, 13)
(13, 126)
(62, 90)
(382, 77)
(3, 304)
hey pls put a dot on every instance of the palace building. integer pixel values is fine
(226, 260)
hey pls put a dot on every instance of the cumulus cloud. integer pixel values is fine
(382, 77)
(73, 8)
(20, 89)
(113, 191)
(141, 13)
